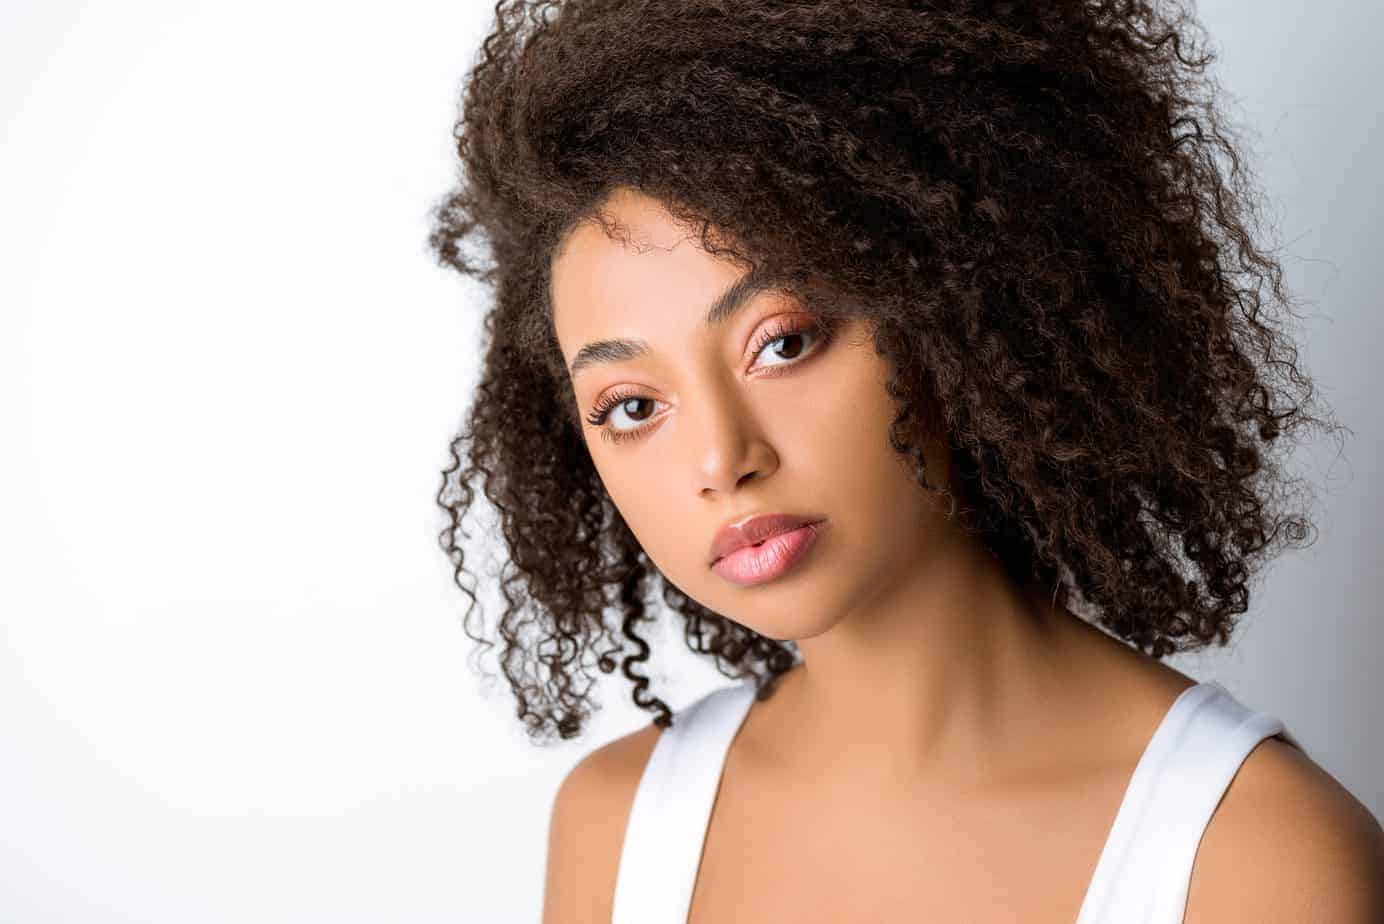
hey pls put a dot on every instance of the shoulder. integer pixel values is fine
(587, 828)
(1288, 843)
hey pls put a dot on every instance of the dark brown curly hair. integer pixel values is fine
(1036, 204)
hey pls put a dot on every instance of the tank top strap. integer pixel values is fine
(1145, 868)
(672, 806)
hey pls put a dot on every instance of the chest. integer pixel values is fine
(1025, 852)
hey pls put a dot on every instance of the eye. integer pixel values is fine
(787, 331)
(604, 408)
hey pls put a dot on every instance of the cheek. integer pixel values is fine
(847, 427)
(860, 474)
(645, 505)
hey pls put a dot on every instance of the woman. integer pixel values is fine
(918, 355)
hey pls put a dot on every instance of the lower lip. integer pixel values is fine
(775, 558)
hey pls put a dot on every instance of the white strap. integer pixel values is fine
(672, 807)
(1145, 869)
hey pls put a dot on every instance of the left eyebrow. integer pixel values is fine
(736, 296)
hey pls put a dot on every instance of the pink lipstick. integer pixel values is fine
(764, 548)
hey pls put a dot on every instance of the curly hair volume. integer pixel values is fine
(1037, 205)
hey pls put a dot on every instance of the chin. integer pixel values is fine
(791, 628)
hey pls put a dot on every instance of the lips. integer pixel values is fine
(756, 529)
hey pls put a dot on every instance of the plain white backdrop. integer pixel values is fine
(233, 680)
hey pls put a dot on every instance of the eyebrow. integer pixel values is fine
(736, 296)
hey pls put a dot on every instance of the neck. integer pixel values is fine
(945, 674)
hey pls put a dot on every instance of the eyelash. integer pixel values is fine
(780, 331)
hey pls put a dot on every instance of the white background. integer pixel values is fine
(233, 681)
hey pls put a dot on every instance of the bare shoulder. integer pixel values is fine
(1288, 843)
(587, 828)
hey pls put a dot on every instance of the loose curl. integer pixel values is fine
(1026, 201)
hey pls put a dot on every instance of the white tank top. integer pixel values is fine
(1144, 870)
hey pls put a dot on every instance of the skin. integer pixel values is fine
(932, 686)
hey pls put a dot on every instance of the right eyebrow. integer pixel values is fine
(735, 296)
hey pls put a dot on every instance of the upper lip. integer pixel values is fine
(733, 536)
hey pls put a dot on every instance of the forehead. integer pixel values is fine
(646, 266)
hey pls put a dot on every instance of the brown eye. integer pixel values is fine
(788, 332)
(625, 406)
(789, 339)
(621, 402)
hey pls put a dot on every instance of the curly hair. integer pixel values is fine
(1031, 203)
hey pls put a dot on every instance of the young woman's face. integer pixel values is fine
(756, 413)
